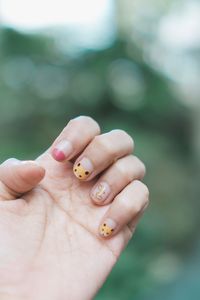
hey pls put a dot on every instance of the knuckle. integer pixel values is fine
(119, 167)
(109, 149)
(123, 171)
(140, 202)
(126, 204)
(81, 121)
(136, 208)
(119, 132)
(10, 161)
(122, 134)
(146, 192)
(141, 166)
(86, 120)
(133, 207)
(72, 121)
(130, 167)
(8, 164)
(143, 190)
(104, 144)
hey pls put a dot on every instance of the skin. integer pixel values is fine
(49, 224)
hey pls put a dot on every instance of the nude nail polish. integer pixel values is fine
(62, 150)
(100, 192)
(83, 169)
(107, 228)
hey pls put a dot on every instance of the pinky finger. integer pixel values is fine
(126, 209)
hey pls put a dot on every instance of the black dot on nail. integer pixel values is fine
(79, 165)
(112, 229)
(75, 170)
(86, 173)
(104, 224)
(80, 176)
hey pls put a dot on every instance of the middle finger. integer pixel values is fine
(101, 153)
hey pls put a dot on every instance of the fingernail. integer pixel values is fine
(83, 168)
(100, 192)
(62, 150)
(107, 228)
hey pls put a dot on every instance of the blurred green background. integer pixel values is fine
(138, 69)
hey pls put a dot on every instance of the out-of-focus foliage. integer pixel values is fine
(41, 88)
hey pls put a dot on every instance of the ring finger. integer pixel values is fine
(119, 175)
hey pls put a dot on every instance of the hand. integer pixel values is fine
(66, 217)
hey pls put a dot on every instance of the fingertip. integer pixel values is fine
(40, 172)
(32, 171)
(58, 155)
(62, 151)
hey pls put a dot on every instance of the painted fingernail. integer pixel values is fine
(100, 192)
(107, 228)
(83, 168)
(62, 150)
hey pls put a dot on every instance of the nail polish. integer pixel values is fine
(83, 168)
(62, 150)
(100, 192)
(107, 228)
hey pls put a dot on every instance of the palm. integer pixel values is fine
(56, 237)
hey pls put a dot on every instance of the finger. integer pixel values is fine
(101, 153)
(127, 206)
(119, 175)
(18, 177)
(133, 223)
(74, 138)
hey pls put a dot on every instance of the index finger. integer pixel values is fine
(74, 138)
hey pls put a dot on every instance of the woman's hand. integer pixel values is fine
(66, 217)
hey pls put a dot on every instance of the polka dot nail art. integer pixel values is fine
(83, 169)
(107, 228)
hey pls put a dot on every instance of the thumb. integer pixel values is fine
(18, 177)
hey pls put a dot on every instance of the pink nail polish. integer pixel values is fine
(100, 192)
(62, 150)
